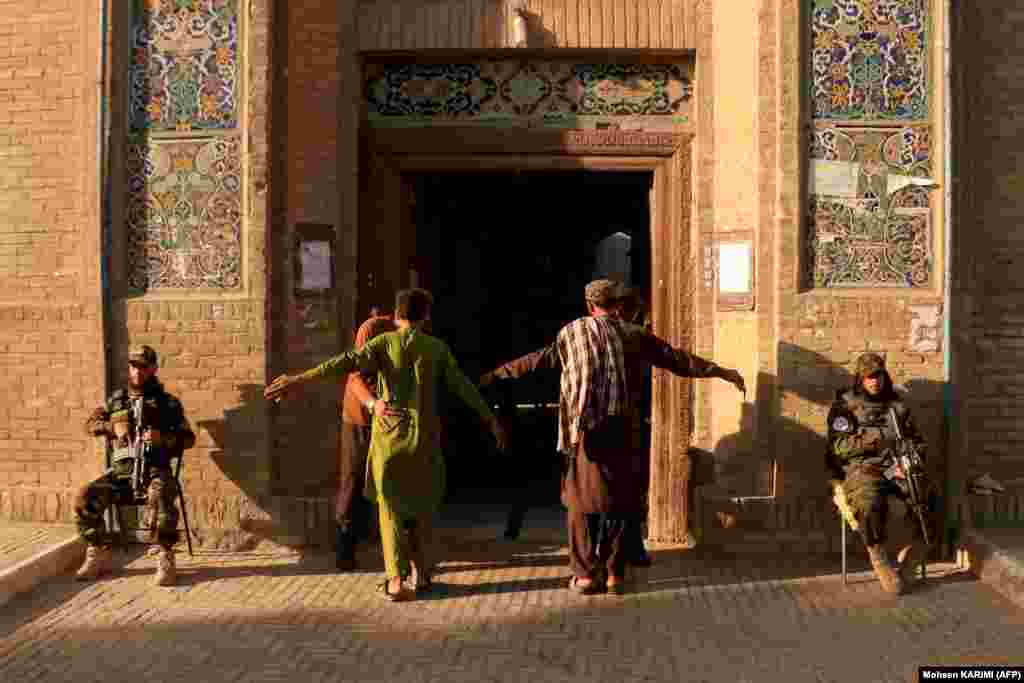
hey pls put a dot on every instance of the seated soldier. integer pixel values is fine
(164, 432)
(862, 442)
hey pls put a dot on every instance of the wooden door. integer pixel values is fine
(387, 234)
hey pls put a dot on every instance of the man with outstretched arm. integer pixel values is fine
(407, 467)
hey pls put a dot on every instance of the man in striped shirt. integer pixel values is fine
(601, 428)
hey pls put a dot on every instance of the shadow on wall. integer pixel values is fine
(230, 436)
(237, 453)
(788, 459)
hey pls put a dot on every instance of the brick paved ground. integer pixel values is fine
(20, 541)
(500, 613)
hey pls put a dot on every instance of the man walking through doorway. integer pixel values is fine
(599, 431)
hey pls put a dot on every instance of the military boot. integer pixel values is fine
(97, 562)
(166, 571)
(887, 576)
(910, 559)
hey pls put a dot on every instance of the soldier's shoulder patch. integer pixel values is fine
(843, 424)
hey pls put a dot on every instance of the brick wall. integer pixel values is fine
(50, 307)
(312, 328)
(213, 345)
(808, 339)
(989, 60)
(821, 332)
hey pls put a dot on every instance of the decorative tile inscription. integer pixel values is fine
(869, 59)
(184, 213)
(184, 65)
(525, 93)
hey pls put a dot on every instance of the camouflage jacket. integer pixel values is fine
(861, 433)
(160, 411)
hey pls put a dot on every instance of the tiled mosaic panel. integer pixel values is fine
(883, 156)
(906, 149)
(870, 59)
(515, 92)
(877, 237)
(184, 214)
(184, 65)
(852, 245)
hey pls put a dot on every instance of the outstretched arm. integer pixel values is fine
(542, 359)
(460, 385)
(363, 360)
(661, 354)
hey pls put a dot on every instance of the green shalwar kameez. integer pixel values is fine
(406, 465)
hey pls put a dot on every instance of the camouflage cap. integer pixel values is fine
(602, 292)
(142, 355)
(869, 364)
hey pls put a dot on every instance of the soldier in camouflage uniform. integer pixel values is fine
(862, 442)
(167, 433)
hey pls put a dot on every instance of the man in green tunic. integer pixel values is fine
(407, 467)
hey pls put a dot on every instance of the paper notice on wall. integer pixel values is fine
(897, 182)
(834, 178)
(316, 265)
(734, 268)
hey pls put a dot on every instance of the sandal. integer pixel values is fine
(424, 581)
(403, 594)
(592, 587)
(616, 585)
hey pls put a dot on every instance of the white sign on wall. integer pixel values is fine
(734, 268)
(316, 265)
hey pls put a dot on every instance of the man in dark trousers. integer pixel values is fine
(352, 509)
(601, 430)
(632, 308)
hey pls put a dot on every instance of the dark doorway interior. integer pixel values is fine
(507, 257)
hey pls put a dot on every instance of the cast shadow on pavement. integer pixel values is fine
(54, 593)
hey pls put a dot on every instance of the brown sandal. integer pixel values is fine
(592, 587)
(403, 594)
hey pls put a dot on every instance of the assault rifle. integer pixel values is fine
(911, 466)
(138, 451)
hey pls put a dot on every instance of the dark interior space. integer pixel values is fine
(507, 257)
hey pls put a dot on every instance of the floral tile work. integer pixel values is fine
(869, 59)
(184, 65)
(524, 93)
(870, 216)
(184, 214)
(852, 246)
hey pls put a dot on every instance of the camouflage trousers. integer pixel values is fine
(161, 510)
(868, 491)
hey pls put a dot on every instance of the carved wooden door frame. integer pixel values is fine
(386, 248)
